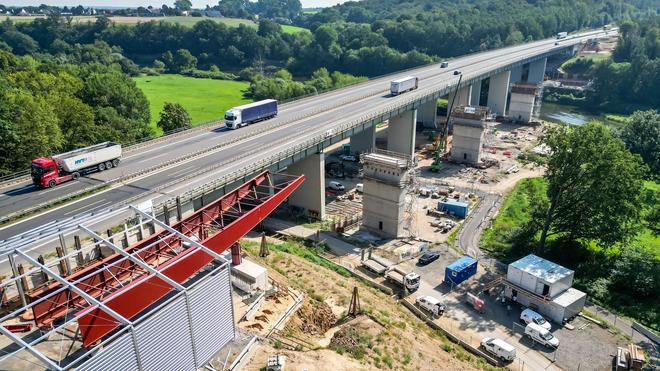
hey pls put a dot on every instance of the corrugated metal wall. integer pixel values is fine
(165, 340)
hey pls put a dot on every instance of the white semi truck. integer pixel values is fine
(407, 280)
(403, 85)
(249, 113)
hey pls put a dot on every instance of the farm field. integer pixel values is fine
(204, 99)
(184, 21)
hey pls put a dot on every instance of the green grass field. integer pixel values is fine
(204, 99)
(184, 21)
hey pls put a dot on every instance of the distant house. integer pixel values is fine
(23, 13)
(212, 13)
(186, 13)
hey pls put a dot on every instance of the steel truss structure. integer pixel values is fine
(103, 300)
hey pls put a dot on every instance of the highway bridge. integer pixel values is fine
(205, 162)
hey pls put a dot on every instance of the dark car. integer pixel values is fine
(428, 257)
(457, 72)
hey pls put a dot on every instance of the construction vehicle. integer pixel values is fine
(249, 113)
(407, 280)
(47, 172)
(442, 142)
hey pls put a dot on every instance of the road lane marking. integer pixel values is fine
(88, 205)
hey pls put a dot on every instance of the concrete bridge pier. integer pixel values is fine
(427, 114)
(310, 195)
(462, 98)
(401, 133)
(475, 95)
(498, 92)
(516, 75)
(364, 141)
(537, 71)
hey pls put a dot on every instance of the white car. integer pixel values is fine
(350, 158)
(529, 316)
(336, 186)
(541, 335)
(431, 304)
(499, 348)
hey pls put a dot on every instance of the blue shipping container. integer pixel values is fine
(456, 208)
(259, 111)
(460, 270)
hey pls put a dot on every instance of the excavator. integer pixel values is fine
(442, 142)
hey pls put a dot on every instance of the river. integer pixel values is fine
(570, 115)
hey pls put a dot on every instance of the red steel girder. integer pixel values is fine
(143, 290)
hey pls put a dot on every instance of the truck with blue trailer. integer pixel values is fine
(460, 270)
(249, 113)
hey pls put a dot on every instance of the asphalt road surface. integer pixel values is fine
(296, 122)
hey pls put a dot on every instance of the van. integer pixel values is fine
(541, 335)
(529, 316)
(359, 188)
(431, 304)
(444, 64)
(336, 186)
(499, 348)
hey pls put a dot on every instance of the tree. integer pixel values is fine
(642, 136)
(181, 61)
(183, 4)
(20, 42)
(594, 185)
(173, 117)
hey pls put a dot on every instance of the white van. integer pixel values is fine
(359, 188)
(431, 304)
(336, 186)
(529, 316)
(541, 335)
(499, 348)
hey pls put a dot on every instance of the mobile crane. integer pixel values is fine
(442, 142)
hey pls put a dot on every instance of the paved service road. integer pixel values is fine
(297, 122)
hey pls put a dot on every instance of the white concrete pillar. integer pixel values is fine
(476, 93)
(537, 71)
(401, 133)
(428, 113)
(516, 75)
(463, 97)
(364, 141)
(310, 195)
(498, 91)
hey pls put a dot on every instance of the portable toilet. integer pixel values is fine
(460, 270)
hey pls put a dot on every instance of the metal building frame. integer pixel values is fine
(200, 237)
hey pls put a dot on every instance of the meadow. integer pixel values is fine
(204, 99)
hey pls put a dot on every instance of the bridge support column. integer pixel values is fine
(537, 71)
(475, 95)
(497, 92)
(516, 75)
(310, 195)
(364, 141)
(462, 98)
(428, 113)
(401, 133)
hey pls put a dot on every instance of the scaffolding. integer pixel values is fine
(112, 302)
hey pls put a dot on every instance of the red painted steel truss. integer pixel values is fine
(128, 288)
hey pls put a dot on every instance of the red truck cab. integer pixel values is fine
(46, 174)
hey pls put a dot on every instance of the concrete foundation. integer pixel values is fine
(537, 71)
(521, 106)
(516, 75)
(427, 114)
(401, 133)
(475, 95)
(498, 92)
(364, 141)
(383, 202)
(311, 193)
(469, 131)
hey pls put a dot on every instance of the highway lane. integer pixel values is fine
(374, 94)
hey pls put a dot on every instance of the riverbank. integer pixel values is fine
(572, 115)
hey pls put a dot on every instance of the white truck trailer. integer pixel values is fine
(407, 280)
(403, 85)
(50, 171)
